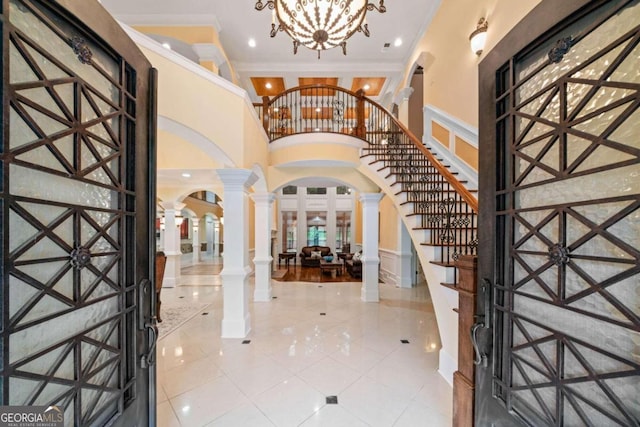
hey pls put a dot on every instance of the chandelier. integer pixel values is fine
(320, 24)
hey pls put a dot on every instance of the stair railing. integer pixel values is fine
(443, 204)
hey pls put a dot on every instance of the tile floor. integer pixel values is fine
(298, 357)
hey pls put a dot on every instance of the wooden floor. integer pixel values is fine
(293, 273)
(310, 274)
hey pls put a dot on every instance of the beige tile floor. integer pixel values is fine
(298, 357)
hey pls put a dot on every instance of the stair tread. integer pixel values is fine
(430, 202)
(441, 228)
(423, 191)
(428, 182)
(423, 173)
(443, 264)
(450, 286)
(447, 245)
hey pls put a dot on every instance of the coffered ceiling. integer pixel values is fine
(376, 61)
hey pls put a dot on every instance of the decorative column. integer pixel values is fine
(402, 100)
(172, 244)
(370, 259)
(196, 240)
(216, 238)
(210, 55)
(263, 259)
(162, 230)
(236, 320)
(405, 269)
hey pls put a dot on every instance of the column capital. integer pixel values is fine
(209, 52)
(237, 179)
(266, 198)
(403, 95)
(195, 221)
(371, 198)
(172, 205)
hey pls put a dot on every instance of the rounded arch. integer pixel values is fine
(175, 45)
(196, 138)
(321, 176)
(260, 186)
(190, 212)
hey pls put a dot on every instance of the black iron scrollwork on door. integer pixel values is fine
(81, 49)
(560, 49)
(80, 257)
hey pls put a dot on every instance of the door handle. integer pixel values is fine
(479, 357)
(149, 358)
(147, 324)
(484, 321)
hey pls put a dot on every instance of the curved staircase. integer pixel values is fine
(438, 210)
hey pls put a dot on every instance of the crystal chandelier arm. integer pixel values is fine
(275, 29)
(344, 47)
(370, 6)
(270, 4)
(364, 28)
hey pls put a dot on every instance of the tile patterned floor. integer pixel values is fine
(298, 357)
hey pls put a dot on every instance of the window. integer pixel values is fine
(316, 229)
(316, 190)
(343, 190)
(206, 196)
(290, 189)
(289, 231)
(343, 230)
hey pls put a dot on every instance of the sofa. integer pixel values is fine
(307, 260)
(353, 266)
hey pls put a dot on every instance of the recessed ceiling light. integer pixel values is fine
(252, 42)
(397, 42)
(366, 87)
(186, 175)
(166, 45)
(268, 85)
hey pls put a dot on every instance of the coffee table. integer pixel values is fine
(336, 266)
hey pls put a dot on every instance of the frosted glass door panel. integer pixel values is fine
(571, 314)
(65, 194)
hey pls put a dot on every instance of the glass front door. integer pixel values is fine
(75, 222)
(561, 246)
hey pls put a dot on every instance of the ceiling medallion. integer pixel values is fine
(320, 24)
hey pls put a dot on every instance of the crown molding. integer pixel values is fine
(170, 20)
(330, 69)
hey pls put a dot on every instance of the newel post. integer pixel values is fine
(361, 129)
(265, 113)
(464, 377)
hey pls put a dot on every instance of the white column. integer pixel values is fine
(370, 259)
(236, 320)
(331, 219)
(172, 244)
(402, 100)
(196, 240)
(405, 268)
(162, 228)
(263, 259)
(216, 238)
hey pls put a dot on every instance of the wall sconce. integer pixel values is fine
(179, 219)
(479, 37)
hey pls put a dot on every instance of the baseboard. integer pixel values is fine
(447, 366)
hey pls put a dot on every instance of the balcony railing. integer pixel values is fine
(444, 206)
